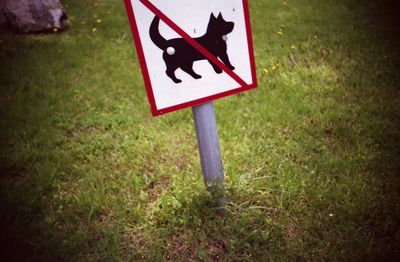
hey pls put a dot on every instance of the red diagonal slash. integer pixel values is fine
(193, 42)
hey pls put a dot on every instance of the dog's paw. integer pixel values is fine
(231, 67)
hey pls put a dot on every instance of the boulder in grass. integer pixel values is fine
(35, 16)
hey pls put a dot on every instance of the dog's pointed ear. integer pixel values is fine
(212, 17)
(220, 16)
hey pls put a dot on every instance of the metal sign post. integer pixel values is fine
(207, 138)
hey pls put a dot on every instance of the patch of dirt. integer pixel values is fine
(182, 248)
(155, 188)
(217, 250)
(292, 231)
(135, 244)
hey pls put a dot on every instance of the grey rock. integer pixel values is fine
(34, 16)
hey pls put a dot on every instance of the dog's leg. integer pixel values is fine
(171, 67)
(189, 69)
(171, 73)
(224, 57)
(216, 68)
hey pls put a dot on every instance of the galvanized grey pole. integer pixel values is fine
(210, 155)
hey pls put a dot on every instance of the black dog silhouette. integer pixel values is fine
(180, 54)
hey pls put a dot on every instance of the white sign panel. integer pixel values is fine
(192, 51)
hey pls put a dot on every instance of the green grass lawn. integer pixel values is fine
(311, 157)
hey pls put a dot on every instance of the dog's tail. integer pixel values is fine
(155, 35)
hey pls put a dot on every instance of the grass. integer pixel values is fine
(311, 158)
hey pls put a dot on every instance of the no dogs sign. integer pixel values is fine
(192, 51)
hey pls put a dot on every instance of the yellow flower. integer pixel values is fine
(266, 71)
(280, 33)
(98, 21)
(94, 29)
(275, 67)
(285, 3)
(227, 178)
(55, 29)
(293, 46)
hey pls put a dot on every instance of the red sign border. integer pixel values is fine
(146, 77)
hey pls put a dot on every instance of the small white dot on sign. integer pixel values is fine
(224, 37)
(170, 50)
